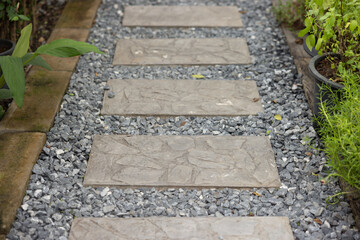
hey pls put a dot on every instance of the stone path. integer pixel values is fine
(155, 228)
(139, 97)
(181, 161)
(195, 51)
(182, 16)
(57, 204)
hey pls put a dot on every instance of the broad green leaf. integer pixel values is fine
(22, 45)
(23, 17)
(328, 14)
(351, 61)
(308, 22)
(278, 117)
(198, 76)
(37, 61)
(14, 18)
(13, 71)
(318, 44)
(304, 31)
(66, 48)
(310, 41)
(353, 25)
(5, 94)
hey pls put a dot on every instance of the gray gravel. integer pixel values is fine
(55, 194)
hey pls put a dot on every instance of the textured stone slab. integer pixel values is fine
(176, 228)
(193, 51)
(182, 16)
(182, 161)
(182, 97)
(18, 154)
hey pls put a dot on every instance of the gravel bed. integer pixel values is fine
(55, 194)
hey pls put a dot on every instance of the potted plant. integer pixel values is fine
(333, 28)
(13, 66)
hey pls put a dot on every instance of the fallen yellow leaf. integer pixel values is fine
(318, 221)
(257, 194)
(278, 117)
(198, 76)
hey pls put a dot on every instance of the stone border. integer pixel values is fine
(23, 130)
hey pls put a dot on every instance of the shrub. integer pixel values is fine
(334, 26)
(340, 131)
(291, 13)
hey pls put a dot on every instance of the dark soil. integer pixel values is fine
(46, 21)
(324, 68)
(3, 49)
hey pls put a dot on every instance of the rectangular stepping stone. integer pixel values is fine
(176, 228)
(182, 161)
(193, 51)
(139, 97)
(182, 16)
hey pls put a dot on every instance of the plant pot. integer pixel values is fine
(6, 47)
(312, 52)
(322, 86)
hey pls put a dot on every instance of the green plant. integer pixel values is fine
(340, 131)
(13, 66)
(7, 8)
(334, 26)
(291, 13)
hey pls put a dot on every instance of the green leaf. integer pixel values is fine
(328, 14)
(23, 17)
(318, 44)
(22, 45)
(14, 18)
(352, 60)
(310, 41)
(353, 25)
(304, 31)
(5, 94)
(319, 2)
(37, 61)
(67, 48)
(13, 71)
(308, 22)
